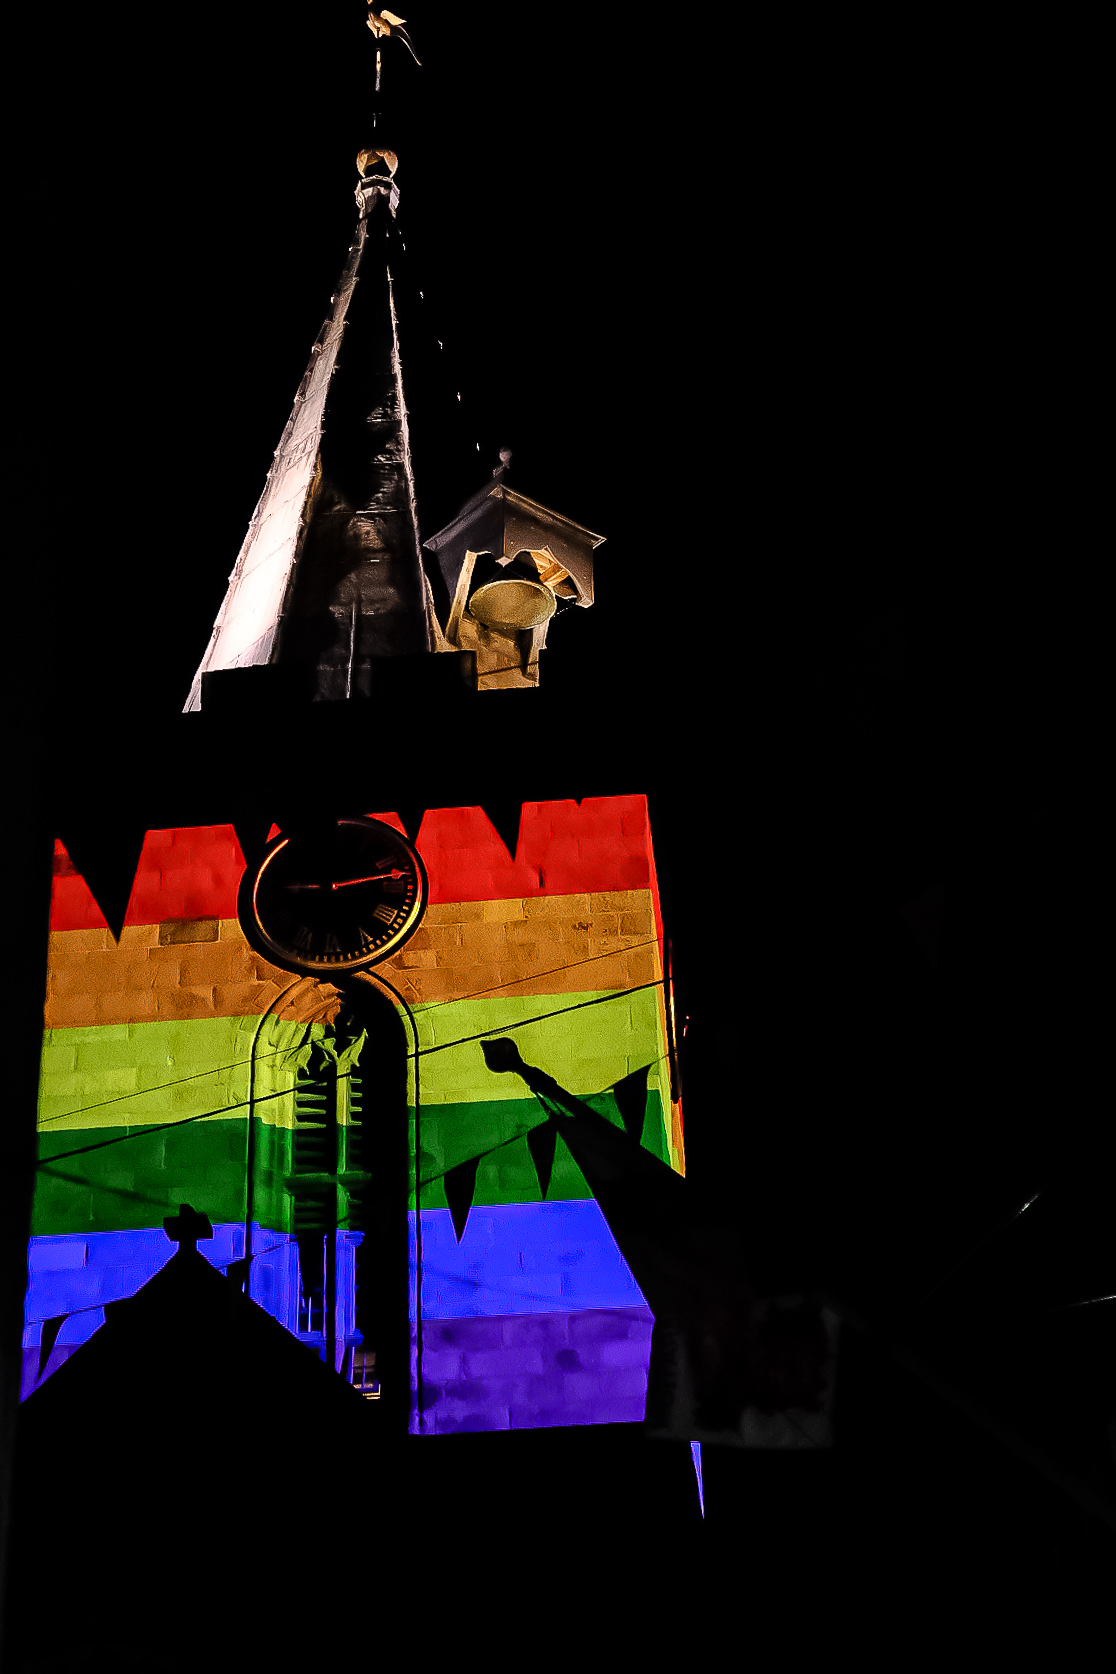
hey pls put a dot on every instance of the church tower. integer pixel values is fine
(307, 968)
(276, 976)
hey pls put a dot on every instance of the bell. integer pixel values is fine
(495, 576)
(513, 604)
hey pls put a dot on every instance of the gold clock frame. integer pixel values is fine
(261, 939)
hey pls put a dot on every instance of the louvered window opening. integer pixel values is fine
(328, 1141)
(313, 1202)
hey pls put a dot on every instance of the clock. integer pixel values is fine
(333, 897)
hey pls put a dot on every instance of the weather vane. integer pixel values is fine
(383, 25)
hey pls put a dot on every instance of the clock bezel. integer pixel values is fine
(288, 959)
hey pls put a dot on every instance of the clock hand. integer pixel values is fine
(346, 883)
(375, 878)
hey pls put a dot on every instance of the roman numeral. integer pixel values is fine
(385, 914)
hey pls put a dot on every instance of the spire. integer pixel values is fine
(330, 575)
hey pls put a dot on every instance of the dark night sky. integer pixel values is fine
(787, 318)
(755, 310)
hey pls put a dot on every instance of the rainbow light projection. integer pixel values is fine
(533, 1318)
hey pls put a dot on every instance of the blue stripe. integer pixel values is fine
(522, 1258)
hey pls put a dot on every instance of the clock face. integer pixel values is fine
(335, 899)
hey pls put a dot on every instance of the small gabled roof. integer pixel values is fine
(197, 1342)
(474, 510)
(498, 519)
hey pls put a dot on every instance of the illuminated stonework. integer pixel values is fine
(187, 1059)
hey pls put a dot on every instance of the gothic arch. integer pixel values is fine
(328, 1152)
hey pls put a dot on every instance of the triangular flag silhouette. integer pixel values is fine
(631, 1101)
(505, 816)
(107, 856)
(541, 1142)
(51, 1328)
(460, 1184)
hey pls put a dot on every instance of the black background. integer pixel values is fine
(798, 319)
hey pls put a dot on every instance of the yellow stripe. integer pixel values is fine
(125, 1075)
(585, 1050)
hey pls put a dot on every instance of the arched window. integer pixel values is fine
(336, 1170)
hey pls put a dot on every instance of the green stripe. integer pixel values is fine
(134, 1183)
(121, 1074)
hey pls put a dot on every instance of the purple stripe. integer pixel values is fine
(534, 1371)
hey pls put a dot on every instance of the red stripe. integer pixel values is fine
(71, 905)
(565, 848)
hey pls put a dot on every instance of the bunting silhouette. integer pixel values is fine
(51, 1328)
(460, 1184)
(541, 1142)
(631, 1100)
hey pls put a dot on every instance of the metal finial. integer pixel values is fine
(185, 1228)
(502, 1056)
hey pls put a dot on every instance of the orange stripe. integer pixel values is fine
(556, 944)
